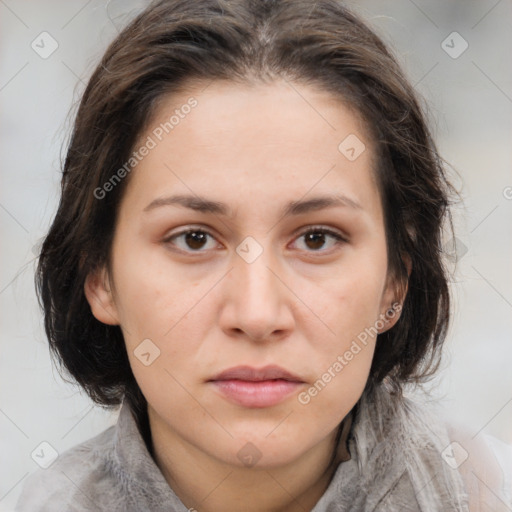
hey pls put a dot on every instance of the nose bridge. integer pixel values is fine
(252, 271)
(257, 298)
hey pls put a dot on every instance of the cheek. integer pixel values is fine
(349, 301)
(167, 305)
(152, 296)
(340, 381)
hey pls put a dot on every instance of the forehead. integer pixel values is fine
(277, 112)
(278, 137)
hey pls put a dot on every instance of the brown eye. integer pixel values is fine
(195, 239)
(191, 240)
(316, 239)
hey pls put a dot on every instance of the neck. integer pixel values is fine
(207, 484)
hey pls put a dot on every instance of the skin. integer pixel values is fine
(299, 305)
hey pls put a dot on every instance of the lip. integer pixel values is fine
(256, 388)
(251, 374)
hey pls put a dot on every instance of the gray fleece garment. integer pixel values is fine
(395, 463)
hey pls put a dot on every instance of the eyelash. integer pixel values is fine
(314, 229)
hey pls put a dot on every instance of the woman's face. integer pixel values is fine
(252, 336)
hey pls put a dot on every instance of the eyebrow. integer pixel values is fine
(204, 205)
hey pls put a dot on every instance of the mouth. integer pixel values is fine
(256, 388)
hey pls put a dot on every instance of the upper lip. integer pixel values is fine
(248, 373)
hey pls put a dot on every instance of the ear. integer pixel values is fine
(394, 296)
(98, 292)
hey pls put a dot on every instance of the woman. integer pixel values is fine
(247, 257)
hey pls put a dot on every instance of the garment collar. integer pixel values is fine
(143, 479)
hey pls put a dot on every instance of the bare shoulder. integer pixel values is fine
(485, 465)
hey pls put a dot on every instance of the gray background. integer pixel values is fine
(469, 100)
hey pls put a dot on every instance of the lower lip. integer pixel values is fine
(264, 393)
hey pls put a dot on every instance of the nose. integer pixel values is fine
(257, 304)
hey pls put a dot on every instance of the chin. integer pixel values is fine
(261, 450)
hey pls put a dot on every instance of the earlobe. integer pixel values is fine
(390, 316)
(98, 293)
(394, 298)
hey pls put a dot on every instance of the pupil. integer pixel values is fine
(195, 240)
(317, 239)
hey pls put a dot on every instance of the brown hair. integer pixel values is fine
(170, 44)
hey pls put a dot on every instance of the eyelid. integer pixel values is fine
(339, 239)
(188, 229)
(323, 229)
(336, 234)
